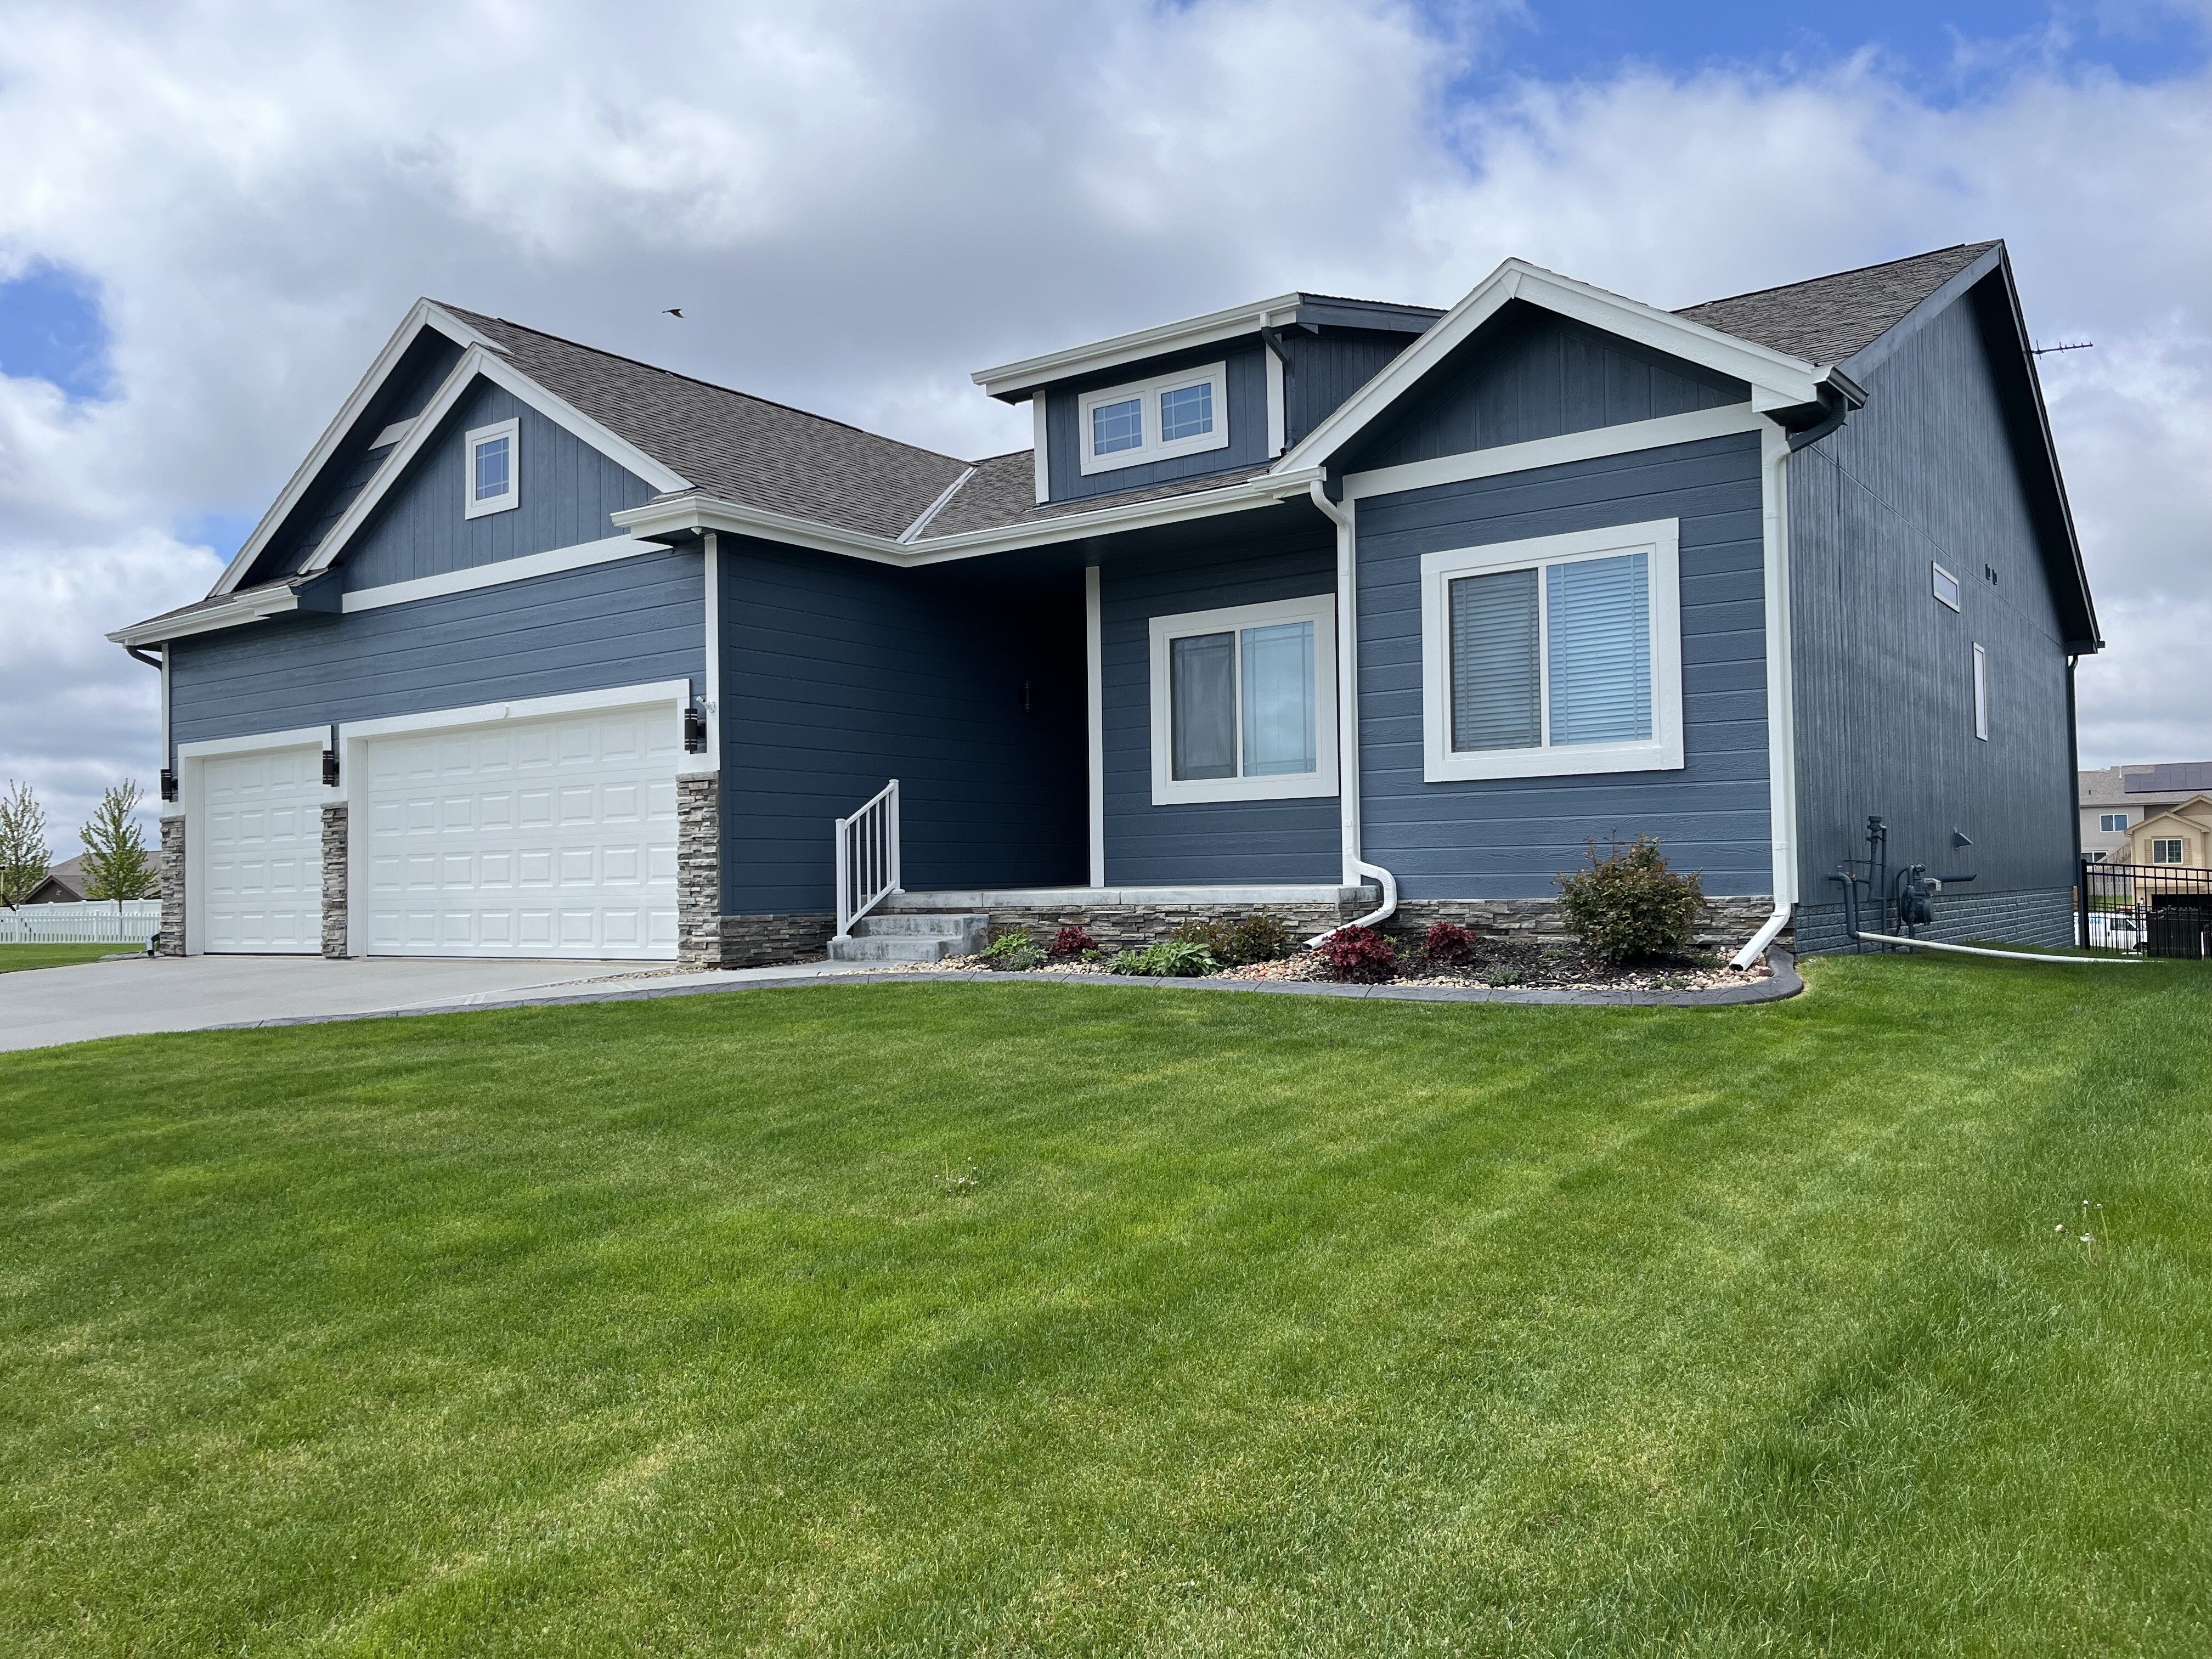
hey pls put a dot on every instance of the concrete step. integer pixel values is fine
(912, 939)
(877, 925)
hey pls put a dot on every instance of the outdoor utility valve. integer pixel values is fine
(1916, 901)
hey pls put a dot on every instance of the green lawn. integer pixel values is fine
(15, 956)
(1034, 1319)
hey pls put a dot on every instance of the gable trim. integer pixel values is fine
(497, 574)
(1590, 445)
(1778, 380)
(476, 362)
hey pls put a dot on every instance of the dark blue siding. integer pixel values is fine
(1506, 838)
(634, 621)
(1247, 369)
(839, 675)
(1326, 368)
(1209, 843)
(1530, 374)
(568, 491)
(1884, 687)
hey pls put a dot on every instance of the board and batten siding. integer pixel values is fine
(628, 623)
(1529, 374)
(1926, 473)
(1244, 363)
(1508, 837)
(568, 489)
(1324, 369)
(839, 675)
(1212, 843)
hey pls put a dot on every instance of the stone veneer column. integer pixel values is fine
(334, 879)
(699, 871)
(173, 886)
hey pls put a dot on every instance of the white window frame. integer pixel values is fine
(1981, 693)
(1154, 448)
(2180, 850)
(1168, 789)
(2112, 824)
(510, 430)
(1937, 577)
(1660, 538)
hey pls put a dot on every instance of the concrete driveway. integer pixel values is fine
(44, 1006)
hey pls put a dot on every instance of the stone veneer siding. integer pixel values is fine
(768, 940)
(701, 940)
(334, 879)
(2037, 916)
(173, 886)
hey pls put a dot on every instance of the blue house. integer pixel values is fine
(1332, 607)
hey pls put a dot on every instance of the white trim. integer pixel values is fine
(497, 574)
(424, 313)
(934, 507)
(1345, 520)
(1320, 609)
(392, 434)
(1593, 444)
(1147, 392)
(711, 700)
(1773, 375)
(675, 693)
(1009, 378)
(474, 362)
(1981, 693)
(1662, 751)
(1937, 575)
(1005, 899)
(168, 748)
(1278, 405)
(1094, 679)
(254, 606)
(1781, 665)
(473, 505)
(1041, 446)
(299, 736)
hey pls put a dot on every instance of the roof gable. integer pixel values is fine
(2196, 813)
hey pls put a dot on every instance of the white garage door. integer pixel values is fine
(550, 837)
(261, 853)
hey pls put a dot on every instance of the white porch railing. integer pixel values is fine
(867, 858)
(93, 922)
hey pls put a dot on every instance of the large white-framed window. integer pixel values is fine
(491, 469)
(1553, 656)
(1154, 420)
(1242, 703)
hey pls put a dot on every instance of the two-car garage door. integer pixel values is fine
(552, 837)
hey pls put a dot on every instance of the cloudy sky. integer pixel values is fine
(212, 214)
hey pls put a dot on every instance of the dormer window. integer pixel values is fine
(1155, 420)
(492, 478)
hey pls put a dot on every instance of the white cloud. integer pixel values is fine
(856, 204)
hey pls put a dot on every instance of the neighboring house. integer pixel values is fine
(2176, 834)
(544, 651)
(2117, 799)
(65, 883)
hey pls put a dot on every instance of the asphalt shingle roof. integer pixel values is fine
(1827, 318)
(1003, 494)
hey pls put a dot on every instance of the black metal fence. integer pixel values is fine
(2146, 910)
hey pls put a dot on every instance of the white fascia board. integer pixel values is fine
(1009, 378)
(476, 361)
(250, 609)
(675, 693)
(302, 737)
(1589, 446)
(1788, 379)
(497, 574)
(420, 315)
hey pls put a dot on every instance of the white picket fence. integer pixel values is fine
(132, 922)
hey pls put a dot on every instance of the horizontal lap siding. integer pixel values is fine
(1216, 842)
(634, 621)
(568, 489)
(1506, 838)
(839, 675)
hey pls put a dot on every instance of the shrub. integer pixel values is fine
(1360, 955)
(1448, 945)
(1011, 954)
(1258, 937)
(1073, 942)
(1628, 904)
(1173, 959)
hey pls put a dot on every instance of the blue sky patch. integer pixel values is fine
(52, 329)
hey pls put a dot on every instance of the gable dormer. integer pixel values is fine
(1220, 394)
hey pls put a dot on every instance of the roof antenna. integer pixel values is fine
(2070, 345)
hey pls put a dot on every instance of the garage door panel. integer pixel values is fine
(260, 849)
(580, 807)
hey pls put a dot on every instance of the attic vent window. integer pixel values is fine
(1946, 586)
(1156, 420)
(492, 480)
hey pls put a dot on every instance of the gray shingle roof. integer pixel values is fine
(1827, 318)
(1003, 494)
(732, 446)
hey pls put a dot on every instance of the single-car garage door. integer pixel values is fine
(260, 851)
(552, 837)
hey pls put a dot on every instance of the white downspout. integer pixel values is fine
(1356, 870)
(1781, 716)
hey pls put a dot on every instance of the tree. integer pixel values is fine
(24, 854)
(116, 864)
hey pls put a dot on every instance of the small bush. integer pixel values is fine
(1173, 959)
(1448, 945)
(1359, 955)
(1073, 942)
(1011, 954)
(1258, 937)
(1627, 904)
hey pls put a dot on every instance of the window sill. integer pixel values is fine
(1304, 786)
(1569, 760)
